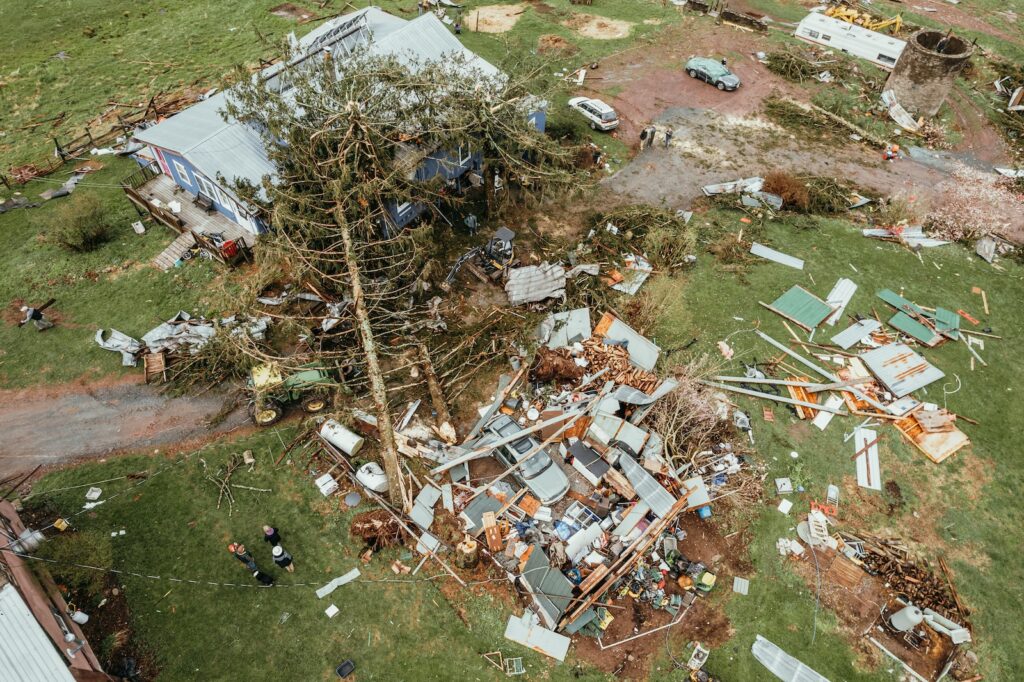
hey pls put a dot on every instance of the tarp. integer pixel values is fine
(535, 283)
(121, 343)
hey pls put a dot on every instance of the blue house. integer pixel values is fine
(206, 155)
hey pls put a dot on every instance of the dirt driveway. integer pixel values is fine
(57, 425)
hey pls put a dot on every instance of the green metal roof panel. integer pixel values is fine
(898, 302)
(802, 307)
(947, 322)
(911, 327)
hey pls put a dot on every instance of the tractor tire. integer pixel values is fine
(267, 414)
(314, 404)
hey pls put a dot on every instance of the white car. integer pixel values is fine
(598, 114)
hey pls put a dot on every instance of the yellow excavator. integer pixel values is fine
(854, 16)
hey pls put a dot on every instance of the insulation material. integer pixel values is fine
(840, 297)
(802, 307)
(776, 256)
(854, 333)
(535, 283)
(868, 473)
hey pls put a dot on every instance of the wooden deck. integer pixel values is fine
(156, 196)
(169, 256)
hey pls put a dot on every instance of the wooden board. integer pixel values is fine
(592, 579)
(491, 532)
(846, 573)
(529, 504)
(937, 447)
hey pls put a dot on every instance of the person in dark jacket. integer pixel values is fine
(243, 555)
(283, 559)
(264, 578)
(271, 535)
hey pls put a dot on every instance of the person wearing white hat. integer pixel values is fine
(283, 559)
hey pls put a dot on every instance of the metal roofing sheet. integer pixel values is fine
(855, 332)
(647, 487)
(947, 322)
(776, 256)
(911, 327)
(562, 329)
(840, 297)
(898, 302)
(802, 307)
(900, 369)
(26, 652)
(535, 283)
(642, 351)
(781, 664)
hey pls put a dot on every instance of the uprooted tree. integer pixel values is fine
(351, 141)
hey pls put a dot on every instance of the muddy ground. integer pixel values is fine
(56, 425)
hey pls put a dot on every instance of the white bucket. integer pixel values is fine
(341, 438)
(80, 617)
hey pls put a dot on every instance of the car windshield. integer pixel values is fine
(536, 465)
(716, 70)
(608, 116)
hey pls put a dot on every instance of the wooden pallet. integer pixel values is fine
(169, 256)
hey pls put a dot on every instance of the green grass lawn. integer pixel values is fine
(113, 286)
(968, 502)
(393, 630)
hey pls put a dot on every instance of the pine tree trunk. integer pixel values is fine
(396, 486)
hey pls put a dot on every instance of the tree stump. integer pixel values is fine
(467, 553)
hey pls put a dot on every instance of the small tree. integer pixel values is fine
(80, 224)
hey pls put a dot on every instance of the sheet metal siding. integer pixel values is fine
(802, 306)
(26, 653)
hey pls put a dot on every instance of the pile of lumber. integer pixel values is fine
(620, 369)
(891, 561)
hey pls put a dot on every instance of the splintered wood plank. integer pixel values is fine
(846, 573)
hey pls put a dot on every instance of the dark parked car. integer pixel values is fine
(713, 72)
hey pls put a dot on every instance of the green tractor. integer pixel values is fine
(270, 391)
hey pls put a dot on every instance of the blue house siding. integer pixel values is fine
(184, 175)
(539, 119)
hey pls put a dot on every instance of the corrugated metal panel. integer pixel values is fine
(801, 306)
(776, 256)
(854, 333)
(781, 664)
(947, 322)
(911, 327)
(642, 351)
(535, 283)
(647, 487)
(900, 369)
(840, 297)
(423, 39)
(898, 302)
(26, 652)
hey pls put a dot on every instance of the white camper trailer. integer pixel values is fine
(877, 48)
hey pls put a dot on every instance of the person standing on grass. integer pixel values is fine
(243, 555)
(668, 137)
(271, 535)
(283, 559)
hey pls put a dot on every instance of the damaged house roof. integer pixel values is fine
(551, 590)
(227, 148)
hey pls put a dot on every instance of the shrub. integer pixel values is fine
(87, 547)
(81, 224)
(793, 191)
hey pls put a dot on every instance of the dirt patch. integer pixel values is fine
(555, 46)
(494, 18)
(290, 11)
(598, 28)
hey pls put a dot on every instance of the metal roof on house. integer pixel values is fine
(26, 652)
(232, 150)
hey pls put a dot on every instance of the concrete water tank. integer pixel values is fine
(907, 618)
(926, 69)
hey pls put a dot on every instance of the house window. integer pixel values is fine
(465, 155)
(813, 34)
(886, 58)
(404, 207)
(208, 188)
(826, 37)
(182, 173)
